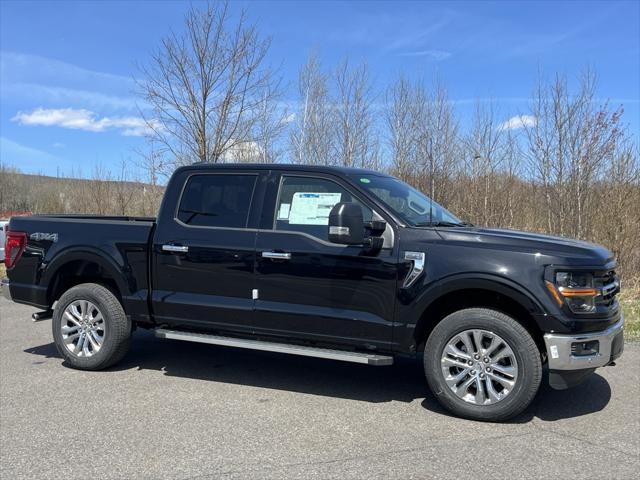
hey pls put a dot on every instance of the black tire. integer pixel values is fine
(117, 333)
(514, 334)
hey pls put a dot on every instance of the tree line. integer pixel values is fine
(566, 165)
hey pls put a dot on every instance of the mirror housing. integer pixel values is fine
(376, 227)
(346, 224)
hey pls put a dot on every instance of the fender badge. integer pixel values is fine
(40, 236)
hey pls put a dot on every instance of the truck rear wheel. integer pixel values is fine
(482, 364)
(90, 328)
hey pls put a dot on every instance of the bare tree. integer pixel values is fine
(124, 190)
(98, 192)
(152, 162)
(484, 149)
(355, 142)
(437, 141)
(573, 168)
(400, 126)
(618, 213)
(311, 135)
(423, 136)
(567, 149)
(207, 87)
(272, 118)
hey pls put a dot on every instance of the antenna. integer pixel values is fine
(431, 184)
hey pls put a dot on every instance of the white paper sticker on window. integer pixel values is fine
(283, 213)
(312, 208)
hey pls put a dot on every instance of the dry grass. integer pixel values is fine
(3, 272)
(630, 301)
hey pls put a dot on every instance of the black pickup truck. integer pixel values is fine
(336, 263)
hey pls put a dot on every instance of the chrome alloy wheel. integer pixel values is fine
(83, 328)
(479, 367)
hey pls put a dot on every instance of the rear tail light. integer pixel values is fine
(14, 245)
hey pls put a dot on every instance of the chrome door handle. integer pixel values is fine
(277, 255)
(175, 248)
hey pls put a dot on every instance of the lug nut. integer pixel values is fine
(476, 356)
(488, 369)
(482, 375)
(486, 359)
(470, 363)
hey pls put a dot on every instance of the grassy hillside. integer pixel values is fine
(630, 300)
(102, 195)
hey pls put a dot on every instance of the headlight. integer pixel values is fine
(576, 289)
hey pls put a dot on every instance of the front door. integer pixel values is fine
(309, 288)
(205, 252)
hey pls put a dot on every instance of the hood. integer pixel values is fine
(566, 250)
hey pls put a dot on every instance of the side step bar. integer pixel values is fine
(354, 357)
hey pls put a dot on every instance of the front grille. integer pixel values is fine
(608, 285)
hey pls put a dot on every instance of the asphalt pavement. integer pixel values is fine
(180, 410)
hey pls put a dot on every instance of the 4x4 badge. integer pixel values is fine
(40, 236)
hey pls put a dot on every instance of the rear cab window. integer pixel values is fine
(217, 200)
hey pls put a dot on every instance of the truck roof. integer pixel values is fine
(284, 166)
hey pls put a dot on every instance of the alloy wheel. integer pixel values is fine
(479, 367)
(83, 328)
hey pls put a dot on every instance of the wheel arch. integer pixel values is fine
(83, 266)
(480, 292)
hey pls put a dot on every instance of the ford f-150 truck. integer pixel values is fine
(336, 263)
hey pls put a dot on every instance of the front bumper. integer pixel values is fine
(4, 287)
(561, 357)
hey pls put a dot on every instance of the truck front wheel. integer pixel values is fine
(482, 364)
(90, 328)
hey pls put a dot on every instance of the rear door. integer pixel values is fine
(204, 250)
(310, 288)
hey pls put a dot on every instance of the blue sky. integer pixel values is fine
(83, 55)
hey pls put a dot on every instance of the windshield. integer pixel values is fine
(411, 205)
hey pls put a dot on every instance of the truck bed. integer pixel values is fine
(81, 246)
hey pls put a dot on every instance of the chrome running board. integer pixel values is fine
(353, 357)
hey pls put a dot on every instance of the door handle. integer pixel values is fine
(277, 255)
(175, 248)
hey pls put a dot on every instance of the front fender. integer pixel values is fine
(413, 304)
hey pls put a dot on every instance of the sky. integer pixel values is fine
(68, 99)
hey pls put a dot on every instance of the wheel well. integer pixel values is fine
(77, 272)
(478, 298)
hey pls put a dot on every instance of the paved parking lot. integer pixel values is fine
(178, 410)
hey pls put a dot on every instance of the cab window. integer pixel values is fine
(304, 204)
(213, 200)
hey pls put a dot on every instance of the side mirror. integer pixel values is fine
(346, 224)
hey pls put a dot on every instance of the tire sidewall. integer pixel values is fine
(96, 295)
(529, 366)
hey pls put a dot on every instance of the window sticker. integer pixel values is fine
(365, 180)
(283, 213)
(312, 208)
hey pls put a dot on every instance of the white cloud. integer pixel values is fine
(50, 95)
(519, 121)
(19, 68)
(437, 55)
(81, 119)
